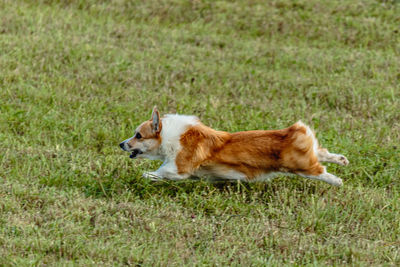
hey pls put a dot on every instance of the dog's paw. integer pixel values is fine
(343, 160)
(337, 182)
(151, 176)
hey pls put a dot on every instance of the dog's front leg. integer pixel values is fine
(167, 170)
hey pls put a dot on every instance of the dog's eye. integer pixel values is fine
(138, 136)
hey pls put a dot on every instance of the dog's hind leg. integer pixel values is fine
(326, 177)
(318, 172)
(324, 155)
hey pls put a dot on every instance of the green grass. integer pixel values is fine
(77, 77)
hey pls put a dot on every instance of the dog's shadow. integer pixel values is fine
(194, 186)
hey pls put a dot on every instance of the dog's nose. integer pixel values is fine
(122, 145)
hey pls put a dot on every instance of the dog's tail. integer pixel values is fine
(304, 139)
(302, 157)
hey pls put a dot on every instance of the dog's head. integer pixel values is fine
(146, 141)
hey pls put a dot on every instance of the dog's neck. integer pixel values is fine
(173, 126)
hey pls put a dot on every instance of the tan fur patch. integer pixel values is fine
(252, 152)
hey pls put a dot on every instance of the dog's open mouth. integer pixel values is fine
(135, 152)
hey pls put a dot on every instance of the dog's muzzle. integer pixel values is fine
(125, 146)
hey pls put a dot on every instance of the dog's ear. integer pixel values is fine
(155, 118)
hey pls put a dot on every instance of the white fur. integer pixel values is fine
(167, 170)
(310, 133)
(173, 126)
(325, 156)
(326, 177)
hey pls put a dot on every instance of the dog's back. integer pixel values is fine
(250, 153)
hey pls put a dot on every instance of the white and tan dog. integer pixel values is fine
(188, 147)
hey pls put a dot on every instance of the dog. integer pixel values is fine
(187, 148)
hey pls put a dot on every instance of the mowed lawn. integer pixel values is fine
(77, 77)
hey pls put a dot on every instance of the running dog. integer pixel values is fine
(188, 147)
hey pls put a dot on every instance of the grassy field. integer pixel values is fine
(76, 78)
